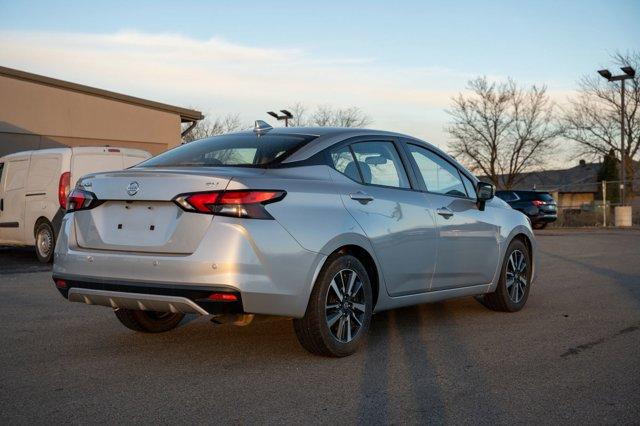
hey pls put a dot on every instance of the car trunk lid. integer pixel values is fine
(137, 212)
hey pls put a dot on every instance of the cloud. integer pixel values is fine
(223, 77)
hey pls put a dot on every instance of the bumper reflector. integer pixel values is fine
(223, 297)
(61, 284)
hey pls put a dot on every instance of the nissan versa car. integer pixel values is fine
(326, 226)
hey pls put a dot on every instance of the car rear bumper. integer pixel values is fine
(544, 218)
(148, 296)
(256, 259)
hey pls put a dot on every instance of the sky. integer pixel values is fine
(400, 62)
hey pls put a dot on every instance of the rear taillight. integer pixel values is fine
(246, 203)
(63, 189)
(538, 203)
(79, 199)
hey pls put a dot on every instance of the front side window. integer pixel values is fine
(245, 150)
(380, 164)
(439, 175)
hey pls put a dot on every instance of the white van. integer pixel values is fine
(34, 186)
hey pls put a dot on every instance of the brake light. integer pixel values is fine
(241, 203)
(79, 199)
(63, 189)
(538, 203)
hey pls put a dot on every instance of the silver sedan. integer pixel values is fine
(323, 225)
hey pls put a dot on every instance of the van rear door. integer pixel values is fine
(87, 160)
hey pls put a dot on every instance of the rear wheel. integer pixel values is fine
(45, 242)
(148, 321)
(512, 291)
(339, 311)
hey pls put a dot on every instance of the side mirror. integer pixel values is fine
(485, 191)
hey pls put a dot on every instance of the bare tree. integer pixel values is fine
(299, 112)
(219, 126)
(328, 116)
(593, 118)
(501, 130)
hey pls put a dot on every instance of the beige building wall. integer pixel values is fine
(574, 200)
(34, 115)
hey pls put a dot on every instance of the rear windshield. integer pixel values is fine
(242, 149)
(532, 195)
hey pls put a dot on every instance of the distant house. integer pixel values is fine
(572, 188)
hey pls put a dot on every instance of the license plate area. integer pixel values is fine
(138, 222)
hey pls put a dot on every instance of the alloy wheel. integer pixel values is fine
(345, 305)
(517, 276)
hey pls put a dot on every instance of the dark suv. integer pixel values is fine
(539, 206)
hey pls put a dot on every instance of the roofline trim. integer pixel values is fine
(186, 114)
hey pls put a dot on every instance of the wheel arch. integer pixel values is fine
(529, 242)
(369, 264)
(39, 221)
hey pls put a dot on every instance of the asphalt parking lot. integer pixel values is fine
(572, 355)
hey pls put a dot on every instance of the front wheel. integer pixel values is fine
(338, 315)
(512, 291)
(148, 321)
(45, 242)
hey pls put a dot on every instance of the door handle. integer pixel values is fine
(361, 197)
(445, 212)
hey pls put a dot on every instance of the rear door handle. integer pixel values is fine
(361, 197)
(445, 212)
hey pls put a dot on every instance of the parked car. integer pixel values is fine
(326, 226)
(34, 186)
(539, 206)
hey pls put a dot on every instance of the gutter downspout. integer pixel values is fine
(188, 129)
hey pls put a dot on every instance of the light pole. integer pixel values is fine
(628, 73)
(286, 117)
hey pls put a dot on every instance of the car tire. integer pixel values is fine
(514, 285)
(540, 225)
(335, 325)
(148, 321)
(45, 242)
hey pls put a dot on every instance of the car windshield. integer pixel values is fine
(242, 149)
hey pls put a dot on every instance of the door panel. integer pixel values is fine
(467, 244)
(467, 237)
(403, 234)
(397, 221)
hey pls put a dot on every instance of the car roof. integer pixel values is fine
(325, 137)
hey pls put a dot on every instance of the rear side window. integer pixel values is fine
(344, 162)
(16, 174)
(44, 173)
(438, 174)
(380, 164)
(544, 196)
(507, 196)
(247, 150)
